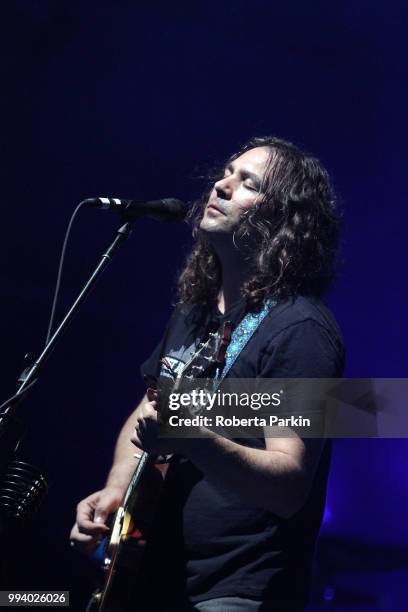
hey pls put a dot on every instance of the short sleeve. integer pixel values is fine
(150, 369)
(305, 349)
(179, 326)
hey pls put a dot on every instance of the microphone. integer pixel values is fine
(167, 209)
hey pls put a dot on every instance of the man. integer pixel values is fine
(239, 518)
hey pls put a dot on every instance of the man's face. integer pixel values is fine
(236, 192)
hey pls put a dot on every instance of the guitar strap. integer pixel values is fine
(240, 338)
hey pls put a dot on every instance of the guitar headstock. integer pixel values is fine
(208, 354)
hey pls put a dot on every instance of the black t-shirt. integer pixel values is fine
(205, 543)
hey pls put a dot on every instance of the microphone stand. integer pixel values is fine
(20, 501)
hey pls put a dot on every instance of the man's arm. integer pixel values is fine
(277, 478)
(124, 461)
(93, 511)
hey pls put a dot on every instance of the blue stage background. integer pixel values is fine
(139, 99)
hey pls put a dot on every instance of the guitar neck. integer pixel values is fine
(210, 352)
(134, 481)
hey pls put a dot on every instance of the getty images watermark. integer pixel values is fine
(193, 405)
(312, 408)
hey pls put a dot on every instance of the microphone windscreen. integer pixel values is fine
(167, 209)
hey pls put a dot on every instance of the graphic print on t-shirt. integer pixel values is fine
(174, 362)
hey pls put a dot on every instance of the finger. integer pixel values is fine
(151, 394)
(86, 508)
(79, 538)
(85, 544)
(92, 528)
(86, 519)
(140, 422)
(106, 505)
(139, 428)
(135, 439)
(150, 411)
(82, 541)
(88, 526)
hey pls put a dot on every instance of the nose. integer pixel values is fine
(223, 187)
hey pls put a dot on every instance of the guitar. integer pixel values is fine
(123, 550)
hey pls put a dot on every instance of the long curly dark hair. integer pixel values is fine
(289, 237)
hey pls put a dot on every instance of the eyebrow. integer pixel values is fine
(246, 174)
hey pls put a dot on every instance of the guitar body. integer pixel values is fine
(124, 550)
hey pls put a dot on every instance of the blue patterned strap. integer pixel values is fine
(241, 336)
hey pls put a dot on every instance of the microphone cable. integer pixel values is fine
(60, 269)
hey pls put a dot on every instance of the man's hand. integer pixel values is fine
(93, 511)
(145, 436)
(91, 517)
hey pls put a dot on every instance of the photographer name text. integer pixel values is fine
(220, 421)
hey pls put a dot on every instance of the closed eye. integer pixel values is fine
(254, 184)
